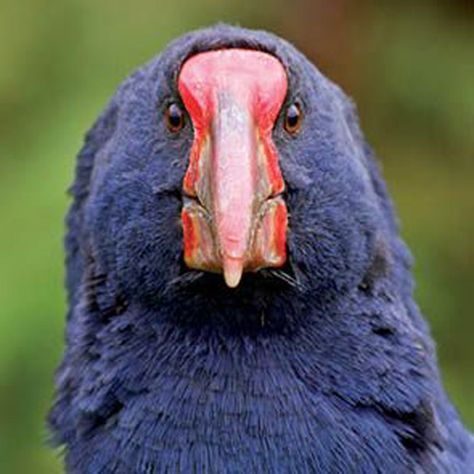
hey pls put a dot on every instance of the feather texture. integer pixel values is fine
(325, 365)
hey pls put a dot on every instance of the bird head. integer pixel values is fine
(231, 160)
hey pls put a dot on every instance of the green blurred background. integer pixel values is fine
(408, 65)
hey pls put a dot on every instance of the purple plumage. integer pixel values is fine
(323, 364)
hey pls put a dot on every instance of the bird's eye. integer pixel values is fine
(174, 118)
(293, 118)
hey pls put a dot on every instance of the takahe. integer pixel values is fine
(240, 298)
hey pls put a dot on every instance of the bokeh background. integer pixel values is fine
(408, 65)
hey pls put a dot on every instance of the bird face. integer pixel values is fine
(230, 155)
(236, 218)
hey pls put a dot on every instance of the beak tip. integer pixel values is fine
(233, 269)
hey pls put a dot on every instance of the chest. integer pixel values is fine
(253, 417)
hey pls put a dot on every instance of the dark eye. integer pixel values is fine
(293, 118)
(174, 118)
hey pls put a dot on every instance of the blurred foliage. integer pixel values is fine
(408, 66)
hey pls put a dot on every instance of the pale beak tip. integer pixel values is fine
(233, 270)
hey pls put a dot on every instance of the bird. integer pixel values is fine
(239, 296)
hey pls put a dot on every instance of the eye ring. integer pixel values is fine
(174, 117)
(293, 118)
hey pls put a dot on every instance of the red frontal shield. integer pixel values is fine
(236, 219)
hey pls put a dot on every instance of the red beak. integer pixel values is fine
(237, 219)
